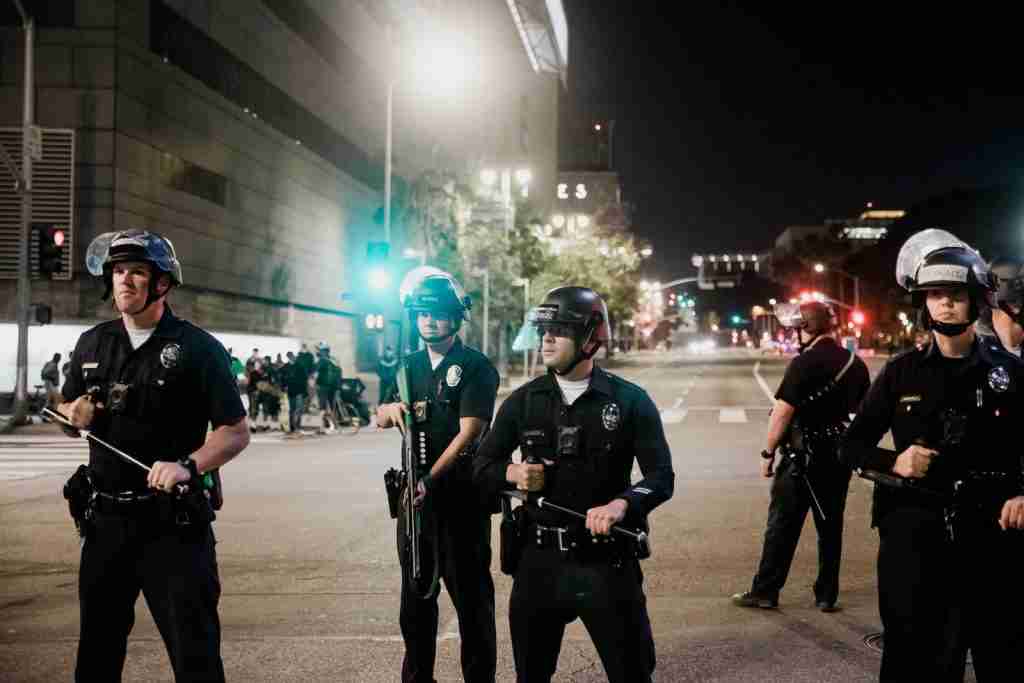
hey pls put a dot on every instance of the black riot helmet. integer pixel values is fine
(133, 245)
(813, 317)
(936, 259)
(582, 309)
(441, 294)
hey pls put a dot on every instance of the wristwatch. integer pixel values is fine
(767, 454)
(193, 469)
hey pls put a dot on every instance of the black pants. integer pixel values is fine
(551, 591)
(464, 541)
(939, 599)
(175, 568)
(787, 511)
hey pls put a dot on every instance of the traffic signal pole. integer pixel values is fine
(25, 188)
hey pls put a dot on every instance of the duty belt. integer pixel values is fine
(577, 542)
(124, 502)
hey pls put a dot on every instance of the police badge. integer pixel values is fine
(999, 379)
(610, 417)
(170, 356)
(454, 376)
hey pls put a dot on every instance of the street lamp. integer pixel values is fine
(420, 254)
(820, 268)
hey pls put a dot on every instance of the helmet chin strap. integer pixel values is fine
(578, 357)
(800, 341)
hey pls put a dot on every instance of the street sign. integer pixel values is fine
(34, 141)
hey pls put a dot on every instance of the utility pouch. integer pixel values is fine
(512, 536)
(80, 492)
(394, 482)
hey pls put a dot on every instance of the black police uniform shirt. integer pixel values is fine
(464, 384)
(912, 396)
(618, 422)
(179, 383)
(811, 371)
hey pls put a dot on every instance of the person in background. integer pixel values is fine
(51, 380)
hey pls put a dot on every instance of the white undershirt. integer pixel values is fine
(572, 390)
(1015, 350)
(435, 358)
(139, 337)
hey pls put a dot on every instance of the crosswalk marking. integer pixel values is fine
(30, 457)
(732, 415)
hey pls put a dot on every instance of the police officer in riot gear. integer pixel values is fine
(580, 430)
(453, 389)
(151, 385)
(1002, 323)
(948, 500)
(821, 387)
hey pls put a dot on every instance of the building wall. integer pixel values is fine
(270, 233)
(278, 232)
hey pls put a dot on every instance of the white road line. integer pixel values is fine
(764, 385)
(737, 415)
(674, 416)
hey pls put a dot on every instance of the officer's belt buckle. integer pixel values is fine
(560, 532)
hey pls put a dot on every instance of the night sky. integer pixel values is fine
(733, 122)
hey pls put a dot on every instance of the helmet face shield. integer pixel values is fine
(96, 254)
(789, 315)
(540, 321)
(528, 338)
(916, 250)
(413, 279)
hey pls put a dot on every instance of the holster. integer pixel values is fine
(214, 489)
(394, 483)
(193, 508)
(512, 535)
(80, 492)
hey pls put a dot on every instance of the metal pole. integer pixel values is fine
(856, 291)
(387, 143)
(487, 307)
(525, 318)
(24, 284)
(387, 167)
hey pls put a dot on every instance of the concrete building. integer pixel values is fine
(253, 135)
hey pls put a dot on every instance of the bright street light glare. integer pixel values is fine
(819, 268)
(379, 279)
(646, 251)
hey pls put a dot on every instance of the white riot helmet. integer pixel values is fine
(937, 259)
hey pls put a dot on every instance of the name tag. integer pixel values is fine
(90, 366)
(910, 398)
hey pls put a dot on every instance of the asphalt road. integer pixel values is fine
(310, 577)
